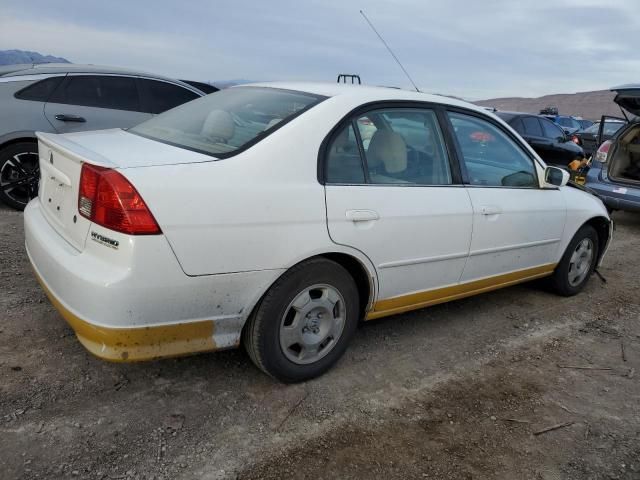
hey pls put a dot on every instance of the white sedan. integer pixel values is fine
(262, 215)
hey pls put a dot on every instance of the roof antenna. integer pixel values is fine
(390, 51)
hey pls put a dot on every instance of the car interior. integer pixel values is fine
(625, 162)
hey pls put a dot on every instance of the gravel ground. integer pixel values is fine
(461, 391)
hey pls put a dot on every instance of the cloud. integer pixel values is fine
(465, 48)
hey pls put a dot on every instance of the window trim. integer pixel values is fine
(507, 132)
(352, 117)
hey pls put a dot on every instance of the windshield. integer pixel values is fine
(226, 121)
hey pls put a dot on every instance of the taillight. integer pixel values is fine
(603, 151)
(109, 199)
(575, 140)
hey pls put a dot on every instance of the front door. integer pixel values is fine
(517, 226)
(393, 194)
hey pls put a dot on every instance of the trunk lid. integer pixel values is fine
(628, 97)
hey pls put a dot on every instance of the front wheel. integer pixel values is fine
(19, 174)
(577, 263)
(303, 324)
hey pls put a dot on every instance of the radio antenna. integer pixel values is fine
(390, 51)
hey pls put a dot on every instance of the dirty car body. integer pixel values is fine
(260, 214)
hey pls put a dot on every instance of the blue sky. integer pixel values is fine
(469, 48)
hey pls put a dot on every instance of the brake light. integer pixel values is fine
(107, 198)
(575, 140)
(603, 151)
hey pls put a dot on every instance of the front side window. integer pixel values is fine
(108, 91)
(490, 156)
(226, 121)
(400, 146)
(532, 126)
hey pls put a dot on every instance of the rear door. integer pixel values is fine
(94, 102)
(517, 226)
(393, 193)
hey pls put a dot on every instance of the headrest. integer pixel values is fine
(218, 126)
(389, 149)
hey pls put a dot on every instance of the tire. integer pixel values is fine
(326, 317)
(572, 273)
(19, 163)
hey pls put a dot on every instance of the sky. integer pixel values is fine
(475, 49)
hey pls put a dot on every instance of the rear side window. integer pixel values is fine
(490, 156)
(114, 92)
(532, 126)
(400, 146)
(517, 126)
(551, 130)
(40, 91)
(159, 96)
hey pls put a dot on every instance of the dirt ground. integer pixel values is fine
(458, 391)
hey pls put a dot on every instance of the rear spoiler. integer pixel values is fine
(73, 150)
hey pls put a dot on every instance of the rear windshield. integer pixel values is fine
(227, 121)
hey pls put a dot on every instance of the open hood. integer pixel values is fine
(628, 97)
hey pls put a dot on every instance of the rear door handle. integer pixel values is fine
(490, 210)
(70, 118)
(362, 215)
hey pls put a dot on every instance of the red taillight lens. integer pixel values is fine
(575, 140)
(109, 199)
(603, 151)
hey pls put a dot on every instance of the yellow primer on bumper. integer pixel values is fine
(137, 343)
(413, 301)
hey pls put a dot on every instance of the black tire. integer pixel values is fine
(261, 334)
(19, 163)
(560, 281)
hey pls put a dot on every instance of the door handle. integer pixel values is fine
(362, 215)
(490, 210)
(70, 118)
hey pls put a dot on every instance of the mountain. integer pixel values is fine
(589, 105)
(14, 57)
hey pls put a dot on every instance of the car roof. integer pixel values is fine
(53, 68)
(366, 93)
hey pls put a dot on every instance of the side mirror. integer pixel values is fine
(556, 176)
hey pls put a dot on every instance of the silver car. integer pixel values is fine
(62, 98)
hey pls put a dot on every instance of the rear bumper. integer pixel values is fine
(135, 303)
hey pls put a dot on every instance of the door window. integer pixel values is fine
(162, 96)
(344, 164)
(491, 157)
(114, 92)
(400, 146)
(551, 130)
(532, 126)
(40, 91)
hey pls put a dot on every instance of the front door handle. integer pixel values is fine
(490, 210)
(362, 215)
(70, 118)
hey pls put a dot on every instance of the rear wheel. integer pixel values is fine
(303, 324)
(19, 174)
(578, 262)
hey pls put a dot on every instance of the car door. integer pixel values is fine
(535, 137)
(561, 151)
(517, 226)
(393, 193)
(94, 102)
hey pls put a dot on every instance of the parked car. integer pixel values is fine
(614, 173)
(547, 139)
(256, 215)
(61, 98)
(584, 124)
(569, 124)
(588, 138)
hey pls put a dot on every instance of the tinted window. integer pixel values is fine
(551, 130)
(344, 164)
(40, 91)
(532, 126)
(517, 126)
(611, 127)
(162, 96)
(490, 156)
(228, 120)
(118, 93)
